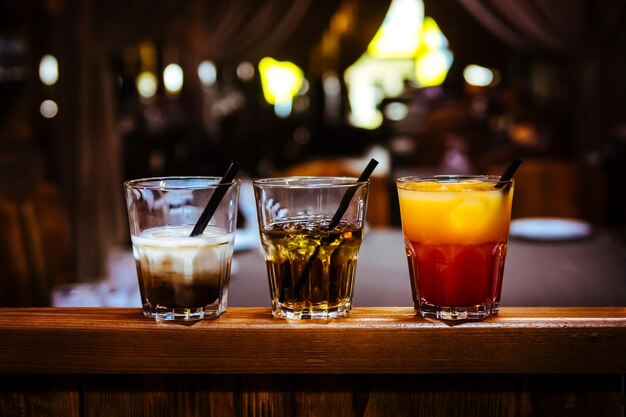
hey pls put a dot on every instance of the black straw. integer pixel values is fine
(347, 197)
(341, 210)
(509, 172)
(215, 199)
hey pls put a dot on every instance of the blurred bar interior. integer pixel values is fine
(93, 93)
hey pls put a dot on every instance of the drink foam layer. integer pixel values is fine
(170, 249)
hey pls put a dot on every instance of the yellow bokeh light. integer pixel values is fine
(408, 47)
(433, 59)
(431, 34)
(432, 67)
(146, 84)
(281, 81)
(398, 36)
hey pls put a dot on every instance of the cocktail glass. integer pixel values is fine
(311, 267)
(181, 277)
(456, 231)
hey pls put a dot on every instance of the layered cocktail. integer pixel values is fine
(181, 277)
(456, 232)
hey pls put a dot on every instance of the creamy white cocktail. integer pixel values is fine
(183, 231)
(182, 274)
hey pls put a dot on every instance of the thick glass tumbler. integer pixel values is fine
(311, 266)
(456, 232)
(181, 277)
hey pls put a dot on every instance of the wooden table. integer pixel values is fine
(379, 362)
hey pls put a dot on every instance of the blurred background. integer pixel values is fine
(94, 93)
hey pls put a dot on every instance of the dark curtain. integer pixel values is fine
(587, 36)
(93, 183)
(562, 27)
(236, 29)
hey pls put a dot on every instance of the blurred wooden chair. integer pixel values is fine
(35, 251)
(546, 187)
(378, 210)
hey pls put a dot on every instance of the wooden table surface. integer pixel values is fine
(372, 340)
(97, 362)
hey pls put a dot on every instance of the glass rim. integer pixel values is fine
(163, 183)
(324, 182)
(450, 179)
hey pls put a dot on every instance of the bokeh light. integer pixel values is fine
(173, 78)
(281, 81)
(478, 76)
(48, 109)
(49, 70)
(207, 72)
(147, 84)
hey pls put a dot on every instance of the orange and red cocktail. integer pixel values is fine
(456, 231)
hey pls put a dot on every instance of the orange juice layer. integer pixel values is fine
(462, 213)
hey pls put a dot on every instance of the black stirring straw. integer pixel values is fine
(215, 199)
(341, 210)
(509, 172)
(347, 197)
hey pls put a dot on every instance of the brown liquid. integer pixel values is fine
(178, 272)
(290, 246)
(172, 290)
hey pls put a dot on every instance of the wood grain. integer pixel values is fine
(312, 395)
(379, 362)
(373, 340)
(44, 395)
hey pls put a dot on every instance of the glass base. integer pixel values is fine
(161, 313)
(306, 313)
(475, 312)
(495, 309)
